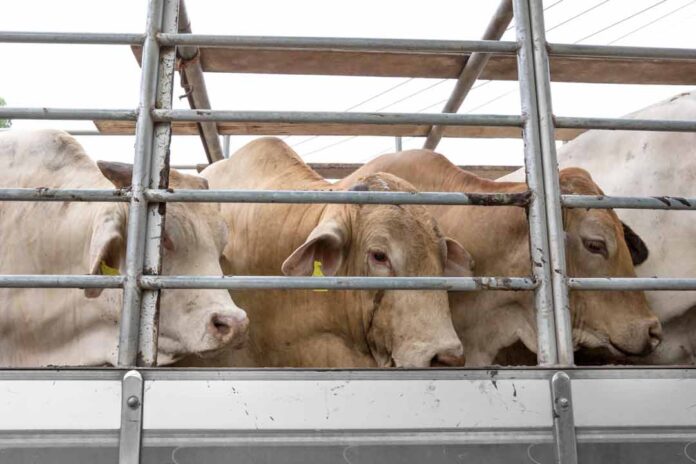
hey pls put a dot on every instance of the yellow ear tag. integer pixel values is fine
(107, 270)
(317, 273)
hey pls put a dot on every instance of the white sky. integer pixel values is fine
(108, 76)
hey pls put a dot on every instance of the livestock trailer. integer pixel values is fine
(555, 412)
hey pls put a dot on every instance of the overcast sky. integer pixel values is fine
(108, 76)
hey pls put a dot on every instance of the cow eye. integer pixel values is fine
(598, 247)
(379, 257)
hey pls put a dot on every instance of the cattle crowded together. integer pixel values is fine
(352, 328)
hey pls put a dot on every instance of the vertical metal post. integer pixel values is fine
(226, 146)
(158, 178)
(131, 418)
(397, 143)
(137, 216)
(563, 420)
(538, 235)
(552, 189)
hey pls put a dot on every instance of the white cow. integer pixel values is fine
(41, 327)
(646, 163)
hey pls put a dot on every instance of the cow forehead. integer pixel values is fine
(197, 223)
(409, 227)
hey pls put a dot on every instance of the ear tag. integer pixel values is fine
(318, 273)
(107, 270)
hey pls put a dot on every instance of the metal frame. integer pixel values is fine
(149, 195)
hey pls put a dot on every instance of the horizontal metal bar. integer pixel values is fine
(76, 132)
(627, 283)
(624, 124)
(337, 44)
(343, 197)
(338, 117)
(338, 283)
(68, 114)
(606, 202)
(60, 281)
(613, 51)
(84, 38)
(194, 167)
(47, 194)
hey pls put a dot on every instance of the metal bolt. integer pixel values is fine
(133, 402)
(564, 403)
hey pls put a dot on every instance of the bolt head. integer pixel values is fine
(133, 402)
(564, 403)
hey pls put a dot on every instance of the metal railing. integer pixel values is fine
(550, 284)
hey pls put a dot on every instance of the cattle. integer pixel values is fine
(40, 327)
(498, 240)
(335, 328)
(647, 164)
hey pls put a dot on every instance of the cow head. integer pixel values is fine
(191, 321)
(599, 245)
(400, 327)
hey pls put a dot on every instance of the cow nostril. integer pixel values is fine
(447, 359)
(654, 334)
(221, 324)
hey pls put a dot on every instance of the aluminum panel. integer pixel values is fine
(346, 404)
(60, 405)
(634, 402)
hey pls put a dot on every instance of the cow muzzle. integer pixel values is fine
(229, 329)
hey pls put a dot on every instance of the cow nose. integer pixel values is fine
(226, 327)
(452, 357)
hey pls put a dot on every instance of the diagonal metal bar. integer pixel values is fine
(472, 69)
(193, 81)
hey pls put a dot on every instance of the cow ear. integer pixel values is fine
(120, 174)
(459, 262)
(326, 244)
(105, 250)
(636, 245)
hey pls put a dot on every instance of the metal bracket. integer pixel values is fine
(563, 421)
(131, 418)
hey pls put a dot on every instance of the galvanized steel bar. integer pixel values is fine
(79, 132)
(472, 69)
(564, 122)
(606, 202)
(615, 51)
(538, 236)
(563, 419)
(67, 114)
(343, 197)
(60, 281)
(226, 145)
(552, 187)
(631, 283)
(339, 283)
(137, 215)
(131, 418)
(49, 194)
(82, 38)
(338, 117)
(158, 178)
(339, 44)
(193, 81)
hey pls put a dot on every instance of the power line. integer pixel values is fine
(582, 13)
(622, 20)
(367, 100)
(652, 22)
